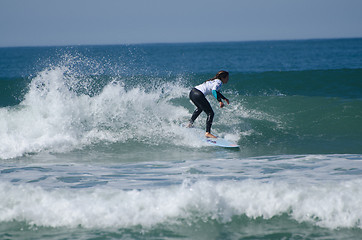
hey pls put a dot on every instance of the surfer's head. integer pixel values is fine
(223, 76)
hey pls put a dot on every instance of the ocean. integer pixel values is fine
(92, 144)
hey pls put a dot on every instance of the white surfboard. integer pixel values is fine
(218, 142)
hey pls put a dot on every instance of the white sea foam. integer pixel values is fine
(325, 205)
(55, 117)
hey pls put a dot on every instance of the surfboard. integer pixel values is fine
(220, 142)
(217, 142)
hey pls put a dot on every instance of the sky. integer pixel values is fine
(88, 22)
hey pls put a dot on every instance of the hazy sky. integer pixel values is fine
(73, 22)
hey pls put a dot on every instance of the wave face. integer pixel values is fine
(337, 83)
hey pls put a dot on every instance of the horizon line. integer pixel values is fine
(186, 42)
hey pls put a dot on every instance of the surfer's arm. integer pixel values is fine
(219, 96)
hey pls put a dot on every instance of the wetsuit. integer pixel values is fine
(197, 96)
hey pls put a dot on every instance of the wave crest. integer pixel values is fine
(60, 112)
(327, 205)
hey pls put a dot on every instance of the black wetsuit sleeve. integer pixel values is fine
(220, 96)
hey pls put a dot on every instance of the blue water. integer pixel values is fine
(91, 145)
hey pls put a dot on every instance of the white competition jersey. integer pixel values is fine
(207, 87)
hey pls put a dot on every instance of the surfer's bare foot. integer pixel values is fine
(189, 125)
(209, 135)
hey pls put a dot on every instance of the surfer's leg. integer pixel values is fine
(210, 117)
(206, 107)
(196, 98)
(199, 99)
(195, 115)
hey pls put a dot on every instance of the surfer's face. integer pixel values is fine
(225, 79)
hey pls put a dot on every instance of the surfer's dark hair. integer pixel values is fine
(219, 75)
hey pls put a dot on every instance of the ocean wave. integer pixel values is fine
(54, 116)
(64, 109)
(327, 205)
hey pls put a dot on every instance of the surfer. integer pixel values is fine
(197, 96)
